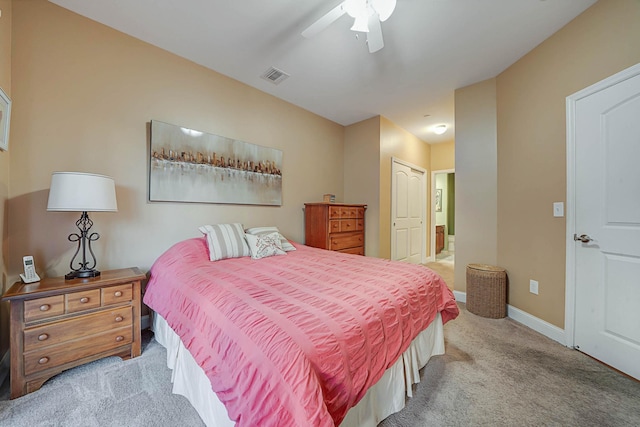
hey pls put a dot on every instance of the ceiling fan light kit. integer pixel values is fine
(384, 8)
(367, 15)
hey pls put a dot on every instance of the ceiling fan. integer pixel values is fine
(367, 14)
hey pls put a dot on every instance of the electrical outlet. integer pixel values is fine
(533, 286)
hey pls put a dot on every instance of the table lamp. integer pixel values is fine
(82, 192)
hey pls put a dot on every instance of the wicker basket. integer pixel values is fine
(487, 290)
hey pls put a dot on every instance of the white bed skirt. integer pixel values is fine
(384, 398)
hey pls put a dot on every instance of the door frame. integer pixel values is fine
(432, 227)
(423, 171)
(570, 263)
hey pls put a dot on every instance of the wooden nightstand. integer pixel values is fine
(58, 324)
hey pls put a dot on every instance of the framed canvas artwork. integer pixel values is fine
(5, 120)
(438, 200)
(186, 165)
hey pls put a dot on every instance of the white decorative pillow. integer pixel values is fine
(263, 231)
(225, 241)
(264, 245)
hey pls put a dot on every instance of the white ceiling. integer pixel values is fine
(432, 47)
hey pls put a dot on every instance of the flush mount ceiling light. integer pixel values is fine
(367, 16)
(439, 129)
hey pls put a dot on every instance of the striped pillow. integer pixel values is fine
(263, 231)
(225, 241)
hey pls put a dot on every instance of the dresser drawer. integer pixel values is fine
(117, 294)
(43, 308)
(51, 357)
(85, 300)
(345, 225)
(334, 212)
(355, 251)
(346, 240)
(72, 329)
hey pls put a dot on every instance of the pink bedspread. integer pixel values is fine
(296, 339)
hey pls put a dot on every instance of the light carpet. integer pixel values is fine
(496, 372)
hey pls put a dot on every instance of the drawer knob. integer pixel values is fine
(119, 319)
(119, 338)
(45, 307)
(43, 360)
(118, 293)
(43, 337)
(84, 300)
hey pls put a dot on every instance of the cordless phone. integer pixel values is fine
(29, 275)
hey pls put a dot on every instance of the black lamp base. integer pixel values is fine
(81, 274)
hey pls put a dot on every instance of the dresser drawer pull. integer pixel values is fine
(43, 337)
(119, 338)
(45, 307)
(118, 293)
(119, 319)
(43, 360)
(84, 300)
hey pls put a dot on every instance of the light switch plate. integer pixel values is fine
(558, 209)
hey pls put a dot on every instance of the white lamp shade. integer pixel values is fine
(82, 192)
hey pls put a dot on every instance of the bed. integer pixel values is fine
(306, 337)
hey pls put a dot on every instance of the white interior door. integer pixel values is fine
(408, 197)
(607, 215)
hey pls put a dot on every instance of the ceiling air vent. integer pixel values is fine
(274, 75)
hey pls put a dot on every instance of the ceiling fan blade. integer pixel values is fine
(325, 21)
(374, 36)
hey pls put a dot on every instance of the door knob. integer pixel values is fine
(582, 238)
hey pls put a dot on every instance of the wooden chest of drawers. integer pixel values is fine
(439, 238)
(335, 226)
(58, 324)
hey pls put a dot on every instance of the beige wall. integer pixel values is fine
(396, 142)
(5, 84)
(476, 178)
(361, 176)
(443, 156)
(83, 96)
(531, 111)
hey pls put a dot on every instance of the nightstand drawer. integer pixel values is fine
(117, 294)
(79, 301)
(72, 329)
(51, 357)
(43, 308)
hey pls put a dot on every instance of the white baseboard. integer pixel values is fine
(460, 296)
(538, 325)
(528, 320)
